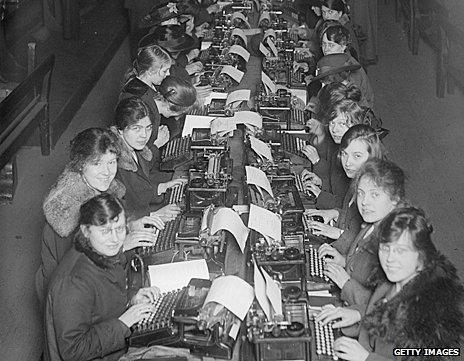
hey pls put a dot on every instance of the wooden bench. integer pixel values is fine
(424, 19)
(23, 110)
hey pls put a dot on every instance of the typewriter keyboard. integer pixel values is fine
(298, 116)
(176, 194)
(293, 144)
(314, 264)
(200, 111)
(165, 240)
(176, 148)
(324, 336)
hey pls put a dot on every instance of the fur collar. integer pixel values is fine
(82, 244)
(426, 313)
(62, 204)
(125, 160)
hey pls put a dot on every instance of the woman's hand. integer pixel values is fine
(194, 67)
(297, 103)
(311, 153)
(310, 177)
(168, 212)
(143, 238)
(136, 313)
(193, 54)
(309, 187)
(345, 316)
(336, 273)
(322, 229)
(146, 294)
(163, 187)
(163, 136)
(151, 220)
(331, 255)
(327, 214)
(302, 65)
(349, 349)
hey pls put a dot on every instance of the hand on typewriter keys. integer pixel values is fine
(168, 212)
(141, 224)
(194, 67)
(331, 255)
(146, 294)
(344, 316)
(336, 273)
(310, 177)
(163, 136)
(327, 214)
(163, 187)
(322, 229)
(136, 313)
(311, 153)
(350, 349)
(139, 239)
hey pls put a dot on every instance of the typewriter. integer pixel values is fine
(162, 327)
(308, 198)
(176, 153)
(176, 195)
(218, 82)
(165, 239)
(323, 338)
(315, 278)
(286, 337)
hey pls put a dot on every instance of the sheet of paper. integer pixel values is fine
(240, 33)
(252, 31)
(299, 93)
(261, 148)
(273, 293)
(268, 83)
(233, 293)
(269, 32)
(272, 46)
(265, 51)
(241, 16)
(241, 208)
(172, 276)
(248, 117)
(234, 73)
(234, 330)
(321, 293)
(258, 177)
(239, 50)
(265, 222)
(215, 95)
(195, 121)
(228, 219)
(222, 125)
(205, 45)
(260, 292)
(240, 95)
(264, 16)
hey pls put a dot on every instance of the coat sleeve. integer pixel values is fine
(343, 243)
(356, 295)
(78, 337)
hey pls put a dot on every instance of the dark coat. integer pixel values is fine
(61, 209)
(140, 180)
(86, 296)
(349, 218)
(426, 313)
(334, 180)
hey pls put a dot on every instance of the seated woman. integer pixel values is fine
(340, 113)
(91, 171)
(138, 169)
(418, 303)
(352, 260)
(359, 144)
(88, 314)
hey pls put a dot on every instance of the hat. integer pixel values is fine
(158, 14)
(334, 64)
(169, 37)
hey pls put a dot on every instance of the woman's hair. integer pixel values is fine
(336, 99)
(386, 175)
(336, 32)
(100, 210)
(152, 57)
(338, 5)
(179, 93)
(368, 136)
(89, 145)
(413, 221)
(129, 111)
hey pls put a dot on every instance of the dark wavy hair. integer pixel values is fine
(368, 136)
(338, 5)
(179, 93)
(337, 33)
(386, 175)
(89, 145)
(129, 111)
(413, 221)
(100, 210)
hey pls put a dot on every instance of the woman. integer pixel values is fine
(352, 260)
(359, 144)
(91, 171)
(88, 315)
(138, 168)
(417, 305)
(340, 113)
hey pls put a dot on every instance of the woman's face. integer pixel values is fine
(137, 135)
(157, 76)
(338, 127)
(100, 173)
(373, 202)
(329, 14)
(399, 259)
(107, 240)
(313, 125)
(331, 47)
(354, 156)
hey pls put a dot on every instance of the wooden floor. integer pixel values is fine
(426, 139)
